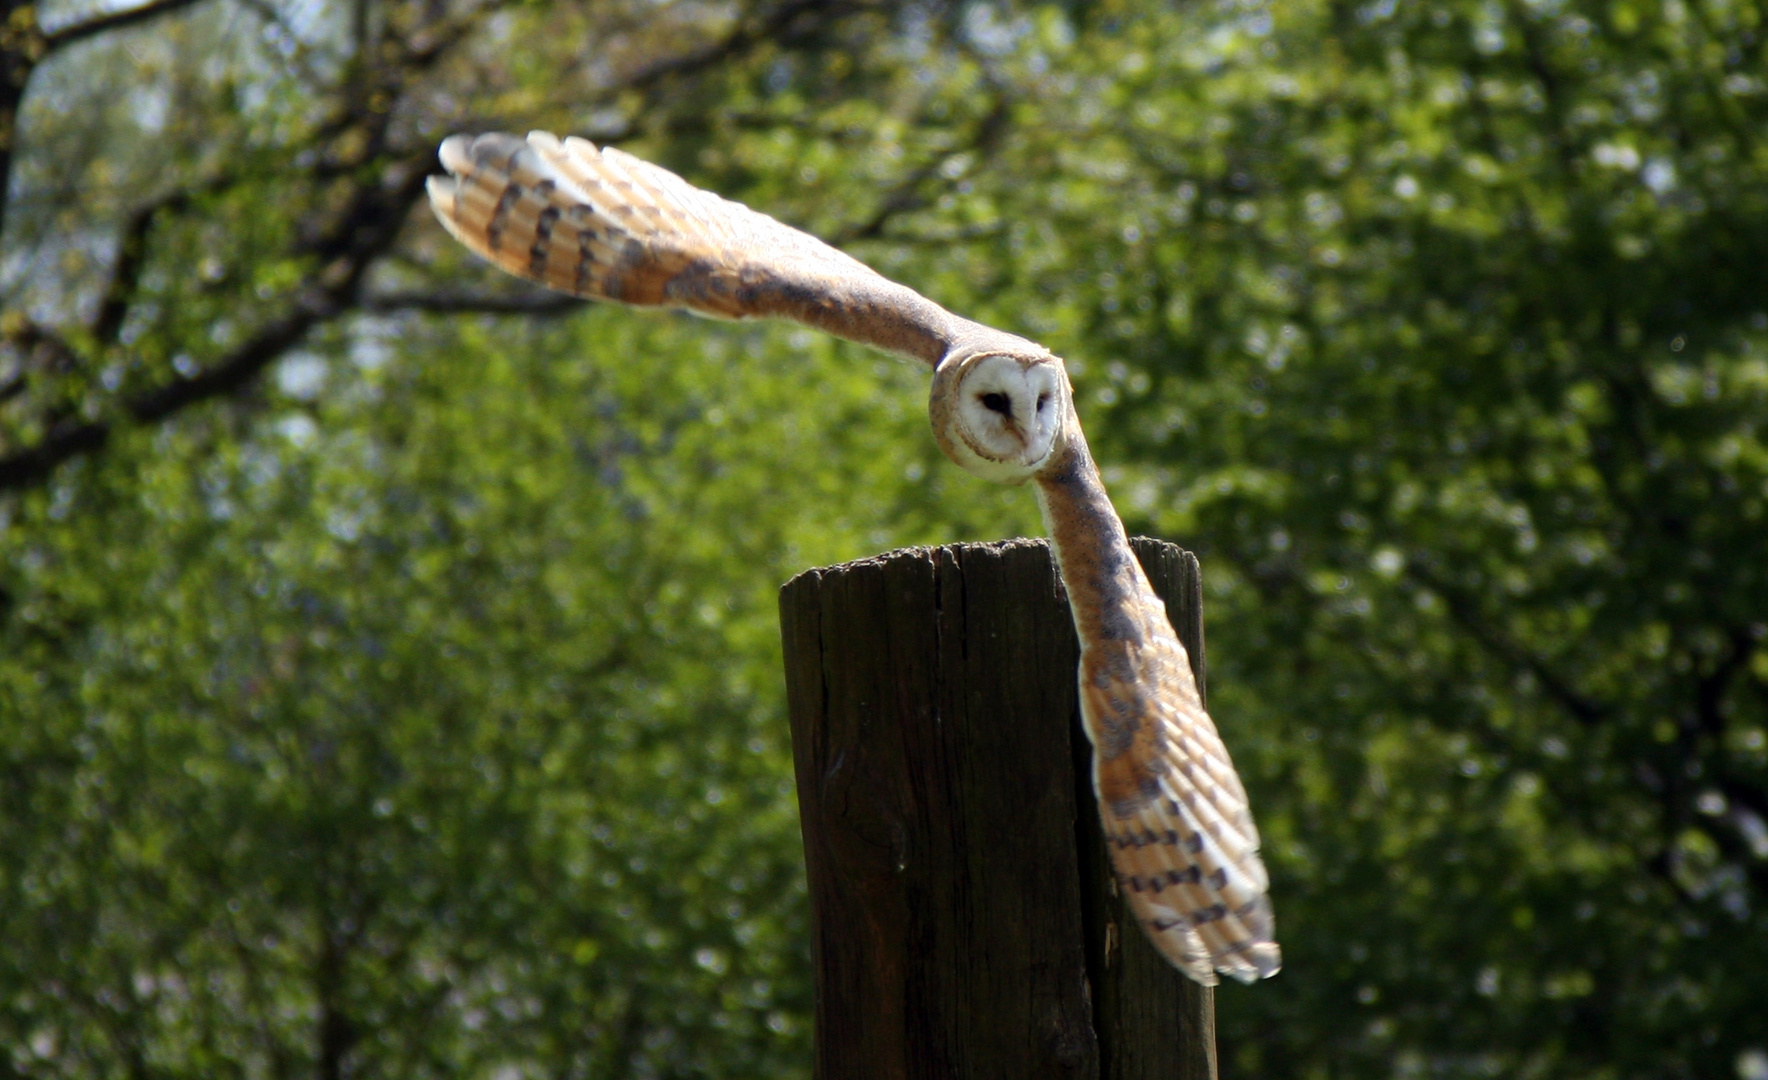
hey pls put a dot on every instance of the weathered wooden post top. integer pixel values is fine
(965, 920)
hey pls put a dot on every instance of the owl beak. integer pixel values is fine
(1018, 431)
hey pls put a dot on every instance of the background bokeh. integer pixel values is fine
(389, 675)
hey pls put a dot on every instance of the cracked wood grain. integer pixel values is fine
(964, 921)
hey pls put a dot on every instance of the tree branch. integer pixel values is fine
(385, 185)
(119, 292)
(358, 236)
(24, 46)
(115, 20)
(31, 467)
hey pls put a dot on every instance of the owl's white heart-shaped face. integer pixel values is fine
(999, 415)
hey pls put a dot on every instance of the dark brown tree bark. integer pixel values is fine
(964, 918)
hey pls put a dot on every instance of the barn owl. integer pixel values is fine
(603, 224)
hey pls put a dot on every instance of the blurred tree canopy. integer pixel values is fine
(388, 665)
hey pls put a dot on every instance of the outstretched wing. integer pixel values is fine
(603, 224)
(1176, 819)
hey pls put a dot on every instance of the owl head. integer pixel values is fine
(999, 412)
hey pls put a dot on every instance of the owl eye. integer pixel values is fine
(1043, 400)
(997, 403)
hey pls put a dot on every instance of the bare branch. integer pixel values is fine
(115, 20)
(385, 183)
(119, 292)
(361, 234)
(33, 466)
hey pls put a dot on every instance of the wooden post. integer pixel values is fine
(964, 921)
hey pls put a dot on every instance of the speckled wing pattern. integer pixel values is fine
(1176, 819)
(602, 224)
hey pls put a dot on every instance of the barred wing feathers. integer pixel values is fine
(602, 224)
(1177, 824)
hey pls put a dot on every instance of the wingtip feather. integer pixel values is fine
(456, 154)
(444, 193)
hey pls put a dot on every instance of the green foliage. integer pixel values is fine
(435, 716)
(417, 711)
(1439, 330)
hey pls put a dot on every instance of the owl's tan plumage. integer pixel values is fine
(601, 223)
(1176, 818)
